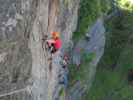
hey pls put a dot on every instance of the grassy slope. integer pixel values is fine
(112, 84)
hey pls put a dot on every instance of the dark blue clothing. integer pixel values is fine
(64, 80)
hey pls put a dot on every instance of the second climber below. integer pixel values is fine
(54, 44)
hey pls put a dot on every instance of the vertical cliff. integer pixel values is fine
(24, 62)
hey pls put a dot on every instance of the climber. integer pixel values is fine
(63, 76)
(54, 43)
(87, 37)
(64, 80)
(65, 61)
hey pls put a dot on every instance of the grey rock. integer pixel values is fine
(23, 60)
(94, 45)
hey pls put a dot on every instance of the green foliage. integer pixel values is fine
(89, 11)
(108, 86)
(79, 73)
(119, 30)
(111, 77)
(125, 4)
(87, 57)
(61, 93)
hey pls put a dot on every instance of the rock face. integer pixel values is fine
(95, 45)
(24, 62)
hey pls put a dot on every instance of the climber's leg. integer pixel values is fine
(64, 81)
(47, 46)
(53, 49)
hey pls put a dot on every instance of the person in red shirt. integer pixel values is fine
(54, 43)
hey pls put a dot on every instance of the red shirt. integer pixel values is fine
(57, 43)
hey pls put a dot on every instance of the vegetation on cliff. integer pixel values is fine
(125, 4)
(112, 79)
(88, 13)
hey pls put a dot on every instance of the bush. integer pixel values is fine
(81, 72)
(125, 4)
(88, 12)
